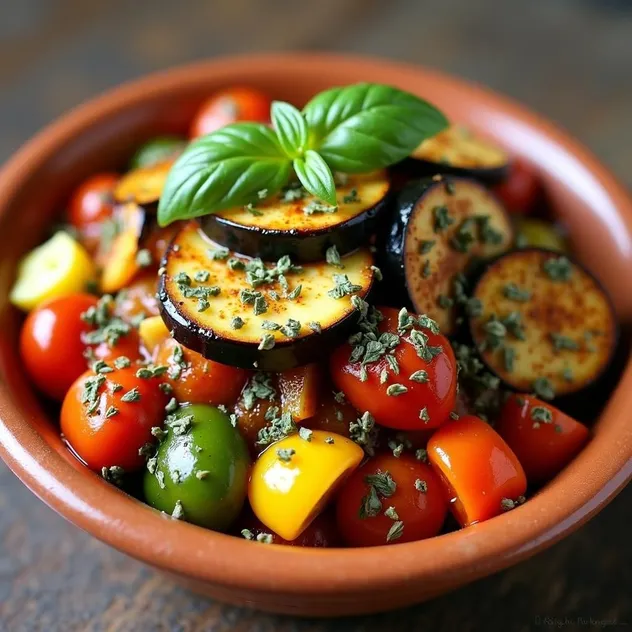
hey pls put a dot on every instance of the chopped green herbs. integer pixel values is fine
(305, 433)
(259, 387)
(558, 269)
(425, 246)
(90, 393)
(279, 427)
(266, 343)
(113, 474)
(419, 376)
(426, 270)
(383, 483)
(396, 531)
(540, 414)
(332, 257)
(315, 207)
(395, 390)
(343, 287)
(237, 322)
(364, 433)
(543, 388)
(441, 218)
(391, 513)
(421, 486)
(564, 343)
(352, 198)
(286, 454)
(515, 293)
(132, 395)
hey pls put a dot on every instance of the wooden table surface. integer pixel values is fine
(571, 60)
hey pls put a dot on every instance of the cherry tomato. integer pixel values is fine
(543, 438)
(229, 106)
(408, 486)
(139, 297)
(334, 414)
(199, 381)
(482, 476)
(321, 533)
(127, 345)
(427, 400)
(109, 427)
(51, 343)
(90, 205)
(520, 191)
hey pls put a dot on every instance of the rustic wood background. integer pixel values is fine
(569, 59)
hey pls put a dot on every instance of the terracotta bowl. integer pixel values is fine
(101, 135)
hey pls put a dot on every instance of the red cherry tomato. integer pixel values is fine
(418, 501)
(91, 204)
(139, 297)
(118, 425)
(543, 438)
(321, 533)
(425, 404)
(51, 343)
(520, 191)
(229, 106)
(127, 345)
(483, 477)
(200, 381)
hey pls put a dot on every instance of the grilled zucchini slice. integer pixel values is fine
(295, 223)
(546, 324)
(458, 151)
(242, 312)
(441, 227)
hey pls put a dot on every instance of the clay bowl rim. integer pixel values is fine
(589, 483)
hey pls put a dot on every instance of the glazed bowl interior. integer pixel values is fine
(102, 135)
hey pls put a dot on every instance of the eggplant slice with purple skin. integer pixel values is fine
(459, 152)
(246, 313)
(295, 223)
(442, 228)
(545, 325)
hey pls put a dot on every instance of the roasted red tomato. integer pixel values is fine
(520, 191)
(230, 106)
(91, 204)
(483, 477)
(543, 438)
(127, 345)
(321, 533)
(196, 380)
(106, 418)
(138, 298)
(413, 390)
(391, 499)
(51, 343)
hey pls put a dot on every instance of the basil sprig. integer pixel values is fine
(353, 129)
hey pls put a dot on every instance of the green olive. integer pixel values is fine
(156, 150)
(200, 468)
(540, 234)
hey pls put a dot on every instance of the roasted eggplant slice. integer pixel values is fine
(457, 151)
(245, 313)
(295, 223)
(442, 226)
(143, 185)
(546, 325)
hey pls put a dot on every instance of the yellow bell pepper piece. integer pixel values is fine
(540, 234)
(58, 267)
(293, 479)
(153, 332)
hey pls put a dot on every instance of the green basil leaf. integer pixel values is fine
(368, 126)
(291, 128)
(315, 175)
(224, 169)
